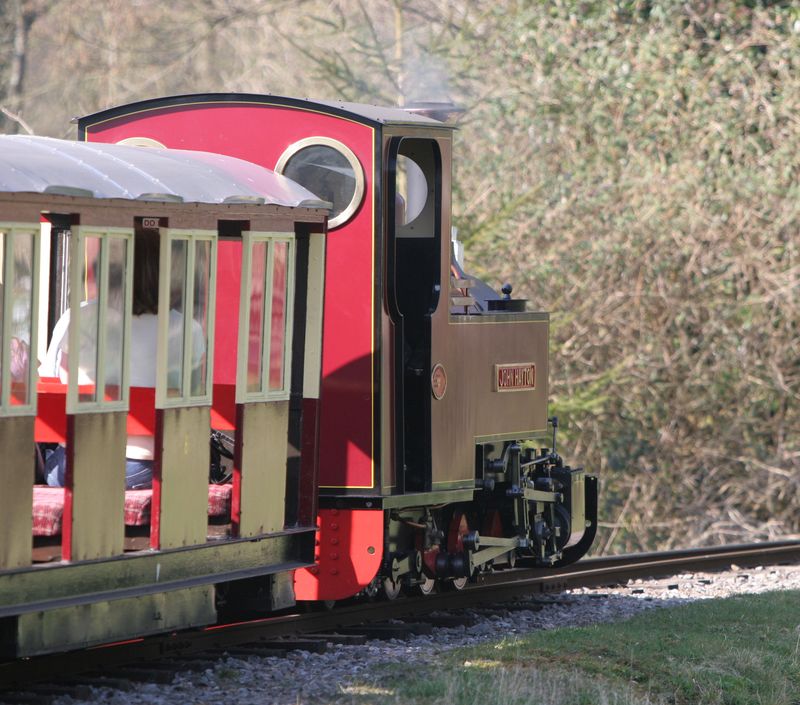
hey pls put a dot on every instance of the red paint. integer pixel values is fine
(260, 133)
(223, 408)
(141, 419)
(459, 527)
(51, 412)
(226, 323)
(344, 564)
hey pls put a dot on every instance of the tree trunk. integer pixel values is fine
(21, 25)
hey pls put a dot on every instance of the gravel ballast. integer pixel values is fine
(301, 677)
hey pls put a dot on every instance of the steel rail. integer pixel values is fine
(487, 588)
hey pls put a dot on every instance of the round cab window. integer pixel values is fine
(329, 170)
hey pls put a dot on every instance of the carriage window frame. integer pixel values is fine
(348, 154)
(264, 393)
(77, 256)
(10, 231)
(192, 237)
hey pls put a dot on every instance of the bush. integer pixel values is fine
(657, 217)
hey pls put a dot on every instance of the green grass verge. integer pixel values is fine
(742, 650)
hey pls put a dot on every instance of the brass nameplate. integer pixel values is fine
(515, 377)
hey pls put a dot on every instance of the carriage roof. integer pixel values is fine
(45, 165)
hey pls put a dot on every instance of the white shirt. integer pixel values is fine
(143, 353)
(144, 345)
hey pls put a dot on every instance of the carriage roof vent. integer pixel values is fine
(244, 200)
(316, 203)
(160, 197)
(59, 190)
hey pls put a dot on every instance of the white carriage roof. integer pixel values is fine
(91, 169)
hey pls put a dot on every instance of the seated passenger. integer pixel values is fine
(143, 346)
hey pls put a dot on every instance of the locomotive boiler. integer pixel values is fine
(437, 457)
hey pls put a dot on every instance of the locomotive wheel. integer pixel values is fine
(454, 584)
(391, 588)
(459, 583)
(427, 586)
(459, 527)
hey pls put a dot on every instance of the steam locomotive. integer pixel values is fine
(405, 443)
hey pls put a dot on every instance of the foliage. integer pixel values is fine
(658, 143)
(630, 166)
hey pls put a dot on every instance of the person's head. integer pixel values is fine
(145, 271)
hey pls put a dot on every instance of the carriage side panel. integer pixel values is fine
(95, 478)
(16, 441)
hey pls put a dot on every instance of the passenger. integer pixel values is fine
(143, 345)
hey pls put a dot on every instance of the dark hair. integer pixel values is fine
(145, 271)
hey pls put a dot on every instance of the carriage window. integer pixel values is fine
(18, 255)
(255, 337)
(330, 170)
(187, 280)
(99, 319)
(277, 352)
(115, 318)
(198, 341)
(265, 312)
(89, 321)
(177, 308)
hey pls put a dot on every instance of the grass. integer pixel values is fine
(743, 650)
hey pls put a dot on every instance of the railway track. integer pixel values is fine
(149, 657)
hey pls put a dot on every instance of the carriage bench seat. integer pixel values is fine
(137, 504)
(48, 507)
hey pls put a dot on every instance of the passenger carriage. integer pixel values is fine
(242, 260)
